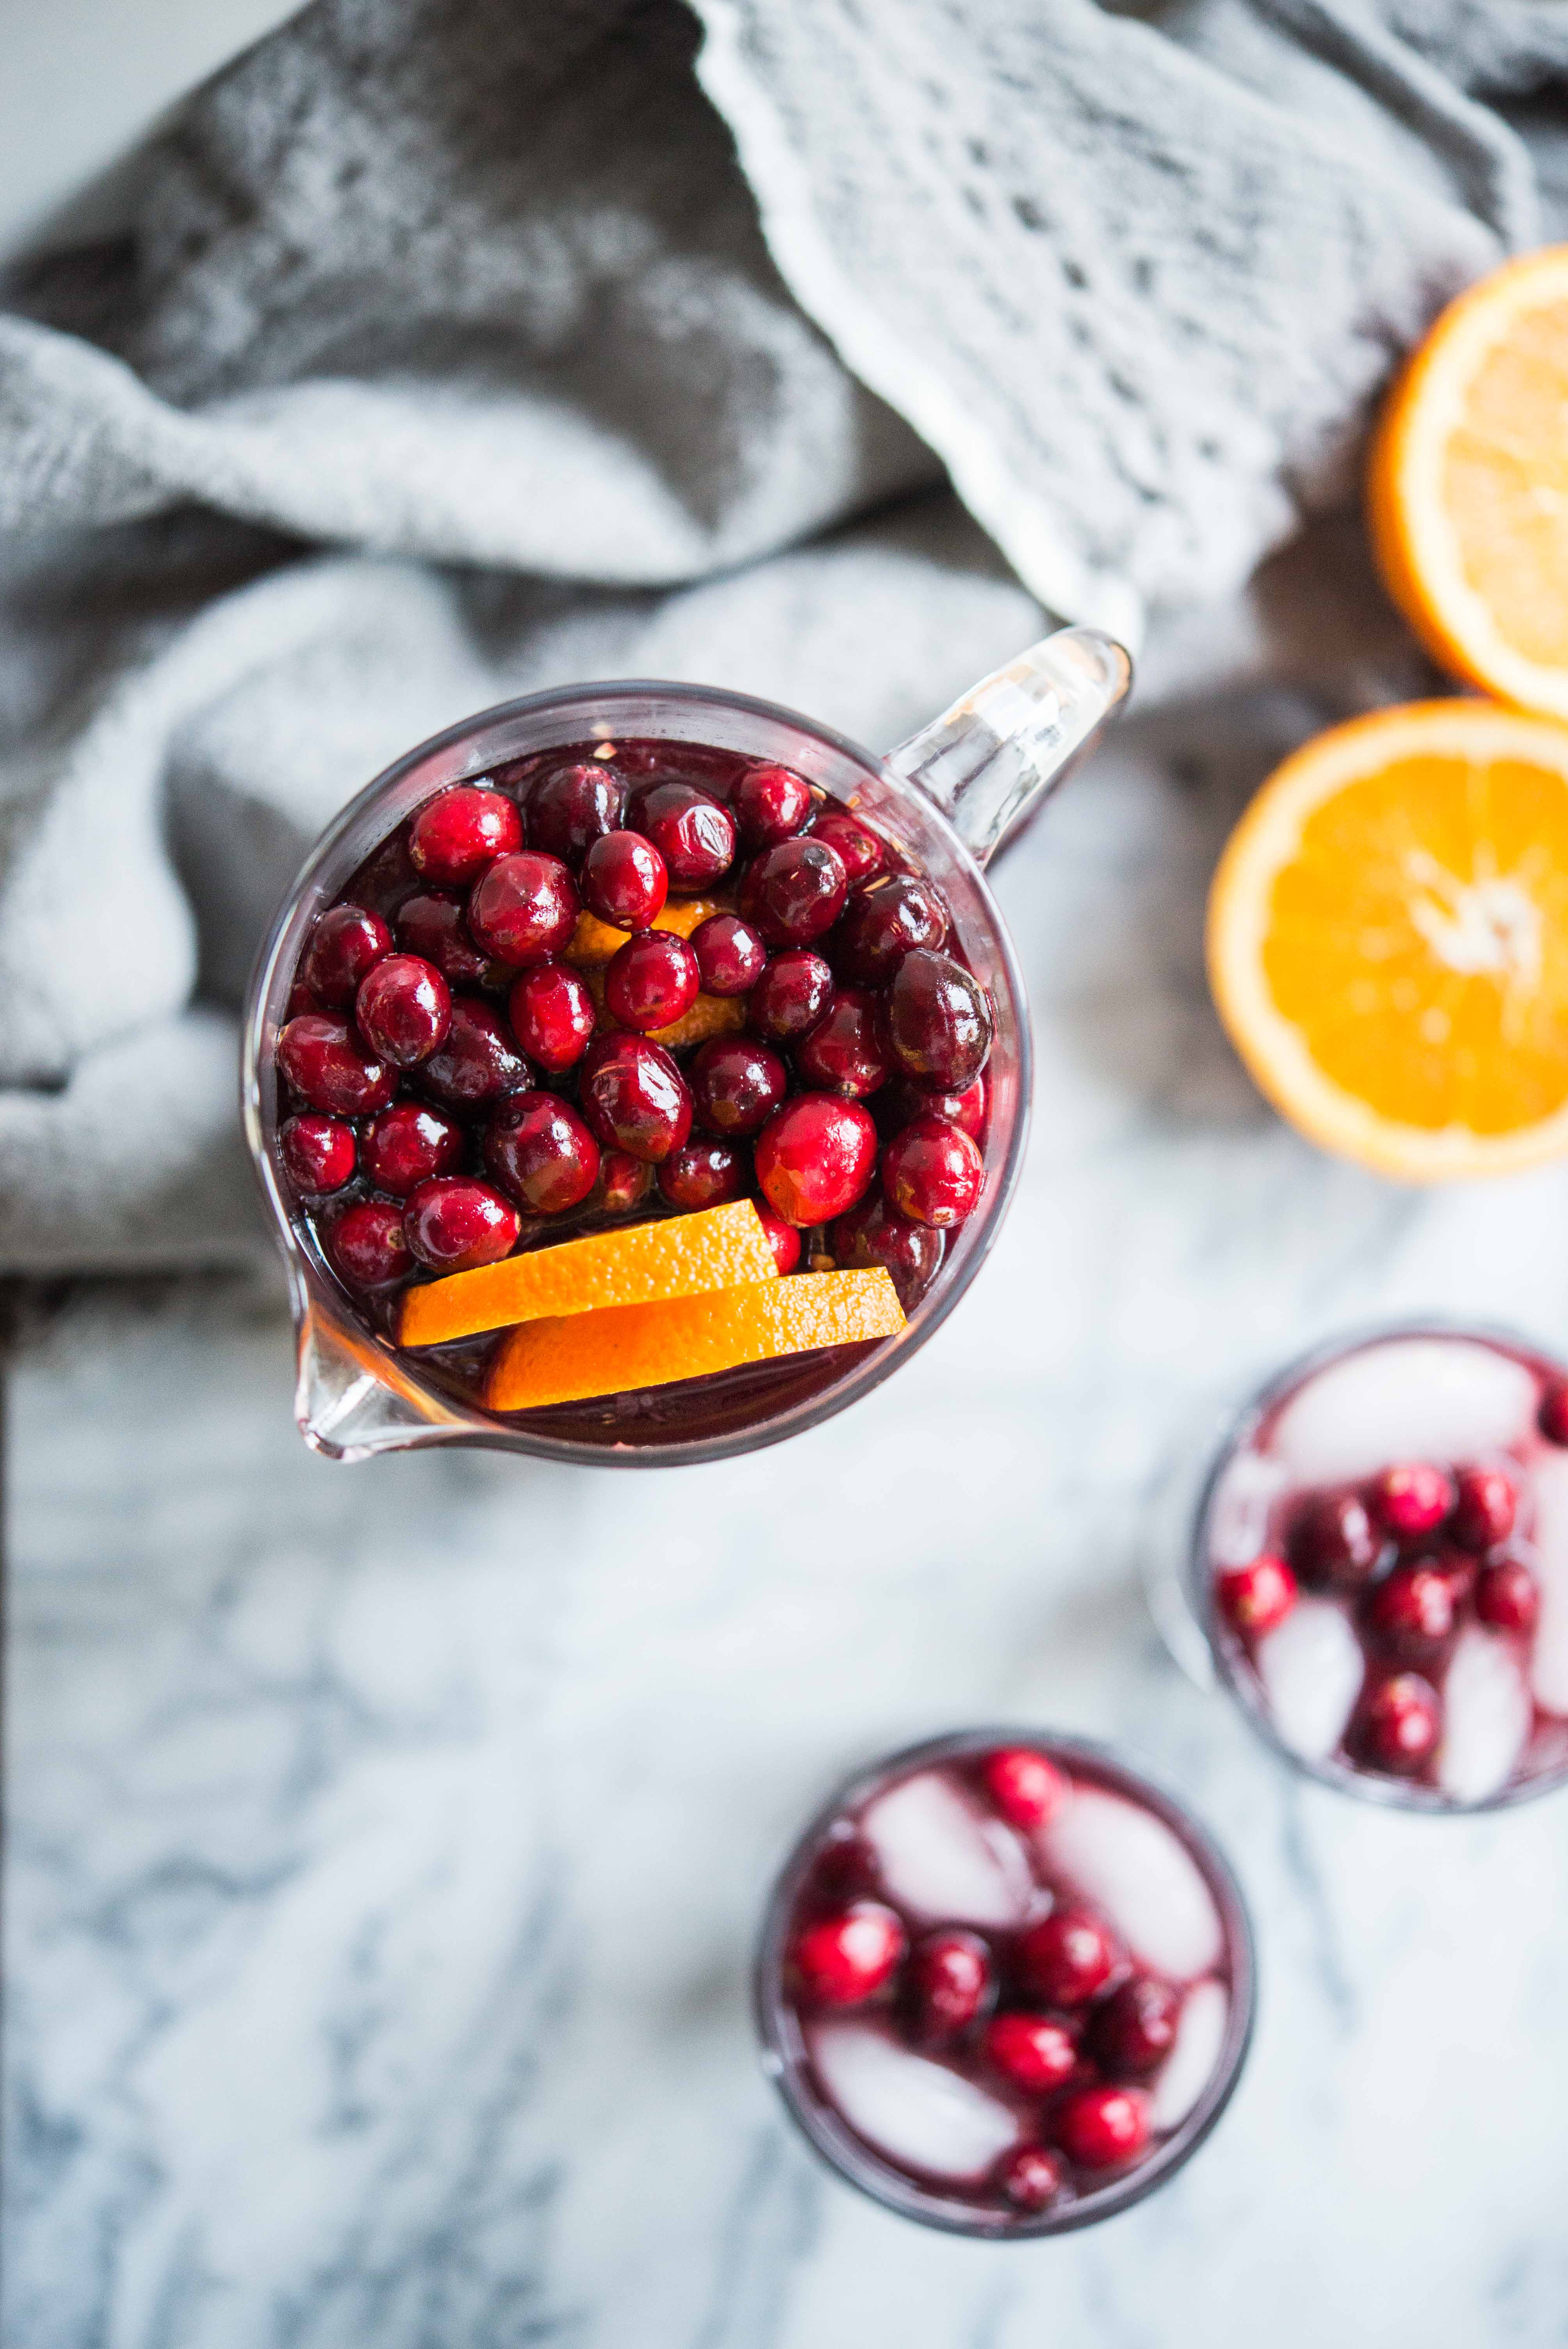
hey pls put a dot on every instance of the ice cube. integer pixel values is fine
(1143, 1877)
(1487, 1717)
(1549, 1664)
(1311, 1669)
(918, 2112)
(1189, 2067)
(1404, 1398)
(941, 1857)
(1239, 1513)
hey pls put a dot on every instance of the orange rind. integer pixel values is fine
(632, 1347)
(637, 1265)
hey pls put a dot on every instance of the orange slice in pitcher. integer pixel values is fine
(1468, 487)
(637, 1346)
(1387, 939)
(717, 1247)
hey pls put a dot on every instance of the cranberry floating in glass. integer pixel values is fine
(1379, 1569)
(1004, 1984)
(918, 826)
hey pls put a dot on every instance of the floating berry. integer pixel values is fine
(1334, 1543)
(782, 1238)
(1412, 1498)
(883, 926)
(703, 1174)
(403, 1010)
(730, 955)
(366, 1248)
(736, 1085)
(1030, 2178)
(1102, 2128)
(793, 893)
(552, 1014)
(1257, 1597)
(933, 1173)
(453, 1223)
(691, 833)
(939, 1021)
(540, 1153)
(321, 1061)
(843, 1960)
(455, 835)
(1133, 2032)
(433, 924)
(477, 1063)
(409, 1143)
(1026, 1788)
(949, 1983)
(845, 1052)
(525, 908)
(651, 981)
(1068, 1958)
(624, 880)
(1036, 2052)
(1485, 1507)
(792, 995)
(347, 942)
(318, 1153)
(634, 1098)
(1401, 1722)
(873, 1232)
(769, 803)
(815, 1158)
(572, 807)
(1508, 1596)
(859, 850)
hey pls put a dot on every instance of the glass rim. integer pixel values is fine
(1383, 1790)
(307, 1270)
(859, 2166)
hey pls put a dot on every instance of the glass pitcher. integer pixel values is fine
(948, 797)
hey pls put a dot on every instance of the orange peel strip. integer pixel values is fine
(593, 942)
(636, 1265)
(710, 1015)
(635, 1346)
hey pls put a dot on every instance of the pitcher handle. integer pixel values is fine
(995, 757)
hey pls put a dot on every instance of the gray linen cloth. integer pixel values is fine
(817, 348)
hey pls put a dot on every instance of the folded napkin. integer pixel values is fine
(455, 349)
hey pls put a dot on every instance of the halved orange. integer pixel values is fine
(1387, 939)
(715, 1248)
(635, 1346)
(593, 942)
(1468, 485)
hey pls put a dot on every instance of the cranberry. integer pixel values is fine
(1334, 1542)
(1552, 1416)
(409, 1143)
(431, 924)
(1100, 2128)
(625, 1183)
(1508, 1596)
(1068, 1956)
(691, 833)
(939, 1022)
(318, 1153)
(843, 1960)
(783, 1238)
(552, 1014)
(736, 1085)
(769, 805)
(844, 1053)
(1255, 1599)
(651, 981)
(624, 880)
(793, 993)
(348, 941)
(1412, 1498)
(634, 1097)
(1412, 1611)
(730, 954)
(403, 1010)
(1484, 1509)
(1025, 1787)
(1030, 2178)
(453, 1223)
(703, 1174)
(933, 1173)
(478, 1061)
(321, 1061)
(540, 1153)
(1134, 2030)
(1400, 1720)
(873, 1232)
(815, 1158)
(860, 851)
(949, 1985)
(884, 925)
(525, 908)
(794, 892)
(572, 807)
(366, 1247)
(1036, 2051)
(1457, 1571)
(903, 1102)
(456, 835)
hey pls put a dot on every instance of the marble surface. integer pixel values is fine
(385, 1844)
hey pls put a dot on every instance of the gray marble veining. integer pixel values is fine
(385, 1844)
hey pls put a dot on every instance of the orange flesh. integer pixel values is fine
(629, 1346)
(716, 1249)
(1370, 931)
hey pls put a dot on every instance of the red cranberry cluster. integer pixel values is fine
(456, 1087)
(1411, 1553)
(1053, 2017)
